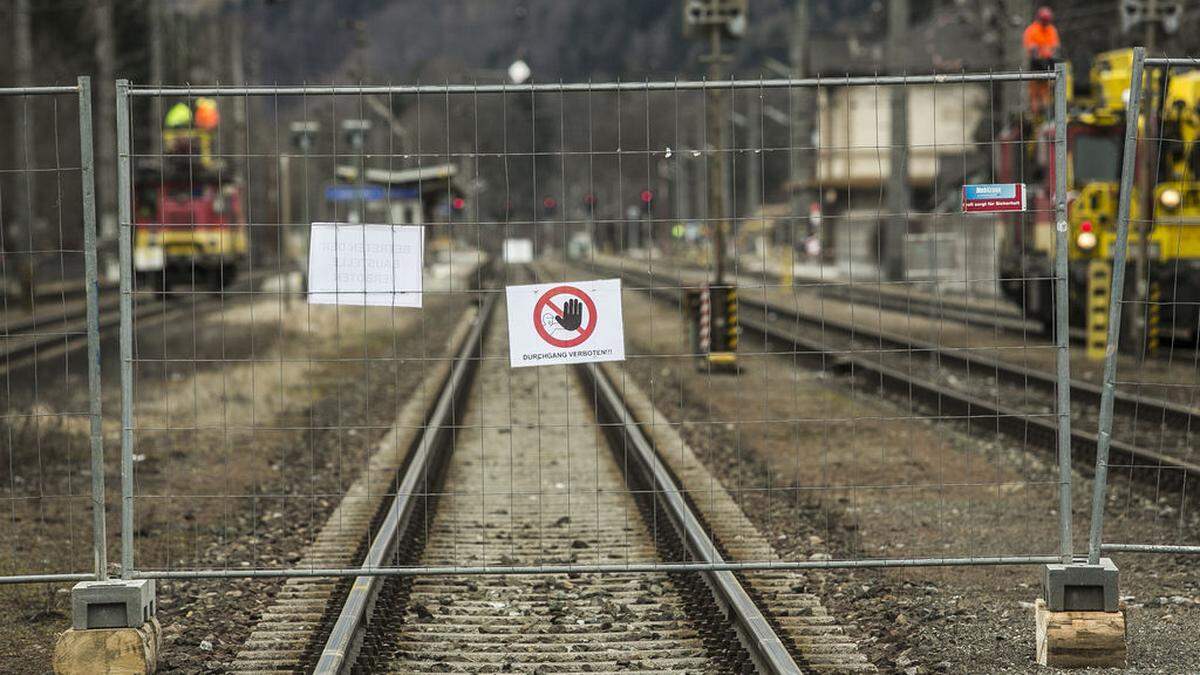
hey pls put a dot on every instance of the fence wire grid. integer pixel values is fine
(1151, 384)
(52, 471)
(874, 413)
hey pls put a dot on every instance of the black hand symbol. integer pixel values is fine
(572, 315)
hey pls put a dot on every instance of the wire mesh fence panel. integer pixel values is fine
(842, 315)
(1150, 378)
(52, 472)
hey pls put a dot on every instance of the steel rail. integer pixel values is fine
(429, 454)
(755, 632)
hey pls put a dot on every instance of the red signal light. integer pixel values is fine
(647, 196)
(549, 203)
(1085, 226)
(459, 203)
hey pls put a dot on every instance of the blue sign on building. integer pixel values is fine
(370, 193)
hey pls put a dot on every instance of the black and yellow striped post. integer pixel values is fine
(1153, 319)
(723, 353)
(1099, 290)
(715, 330)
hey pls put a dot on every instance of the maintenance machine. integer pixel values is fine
(1095, 144)
(189, 224)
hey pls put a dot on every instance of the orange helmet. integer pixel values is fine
(1045, 15)
(207, 116)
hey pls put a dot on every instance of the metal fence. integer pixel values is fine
(893, 420)
(1146, 469)
(52, 471)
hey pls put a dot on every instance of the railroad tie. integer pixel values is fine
(282, 639)
(823, 643)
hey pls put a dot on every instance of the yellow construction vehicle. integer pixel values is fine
(1095, 144)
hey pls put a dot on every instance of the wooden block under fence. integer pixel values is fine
(1080, 639)
(108, 650)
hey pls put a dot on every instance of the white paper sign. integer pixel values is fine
(570, 322)
(518, 251)
(377, 265)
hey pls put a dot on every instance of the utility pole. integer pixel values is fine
(1014, 21)
(754, 147)
(23, 72)
(156, 42)
(803, 112)
(714, 307)
(105, 130)
(237, 65)
(898, 198)
(1142, 260)
(718, 160)
(679, 183)
(1154, 16)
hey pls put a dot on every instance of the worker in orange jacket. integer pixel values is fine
(1041, 44)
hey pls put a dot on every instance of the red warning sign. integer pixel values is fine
(567, 312)
(559, 323)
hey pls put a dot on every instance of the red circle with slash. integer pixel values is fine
(544, 302)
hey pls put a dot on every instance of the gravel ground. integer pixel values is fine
(247, 441)
(871, 479)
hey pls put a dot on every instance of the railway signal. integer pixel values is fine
(355, 132)
(712, 20)
(304, 134)
(727, 16)
(303, 138)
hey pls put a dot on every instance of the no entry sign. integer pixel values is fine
(575, 322)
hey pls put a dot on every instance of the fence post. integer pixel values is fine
(1062, 316)
(1128, 162)
(125, 213)
(108, 612)
(92, 290)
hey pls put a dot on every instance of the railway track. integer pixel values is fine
(965, 383)
(63, 330)
(1000, 315)
(531, 475)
